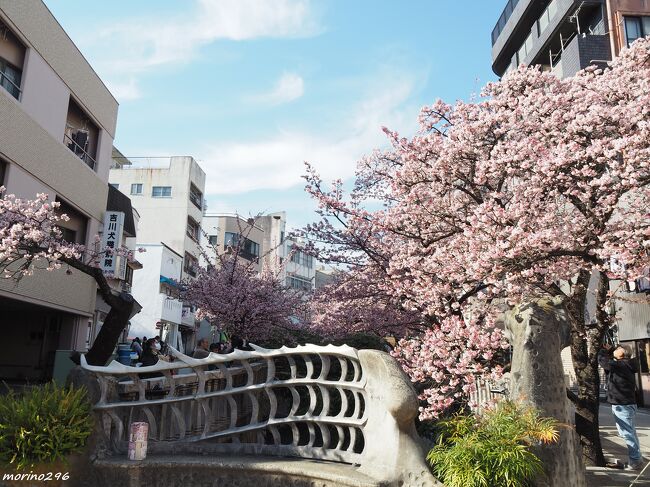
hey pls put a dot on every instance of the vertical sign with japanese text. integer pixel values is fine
(111, 241)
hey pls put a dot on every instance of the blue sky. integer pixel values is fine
(252, 88)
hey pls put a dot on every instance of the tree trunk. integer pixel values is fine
(114, 324)
(588, 403)
(116, 320)
(585, 345)
(538, 330)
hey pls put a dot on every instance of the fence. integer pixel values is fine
(325, 403)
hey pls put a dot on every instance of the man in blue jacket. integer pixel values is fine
(621, 385)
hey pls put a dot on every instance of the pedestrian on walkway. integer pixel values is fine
(621, 386)
(201, 350)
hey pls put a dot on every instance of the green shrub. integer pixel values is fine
(491, 450)
(43, 424)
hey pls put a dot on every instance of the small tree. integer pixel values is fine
(30, 240)
(231, 293)
(531, 190)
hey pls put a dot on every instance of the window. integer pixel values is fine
(115, 185)
(300, 283)
(546, 17)
(248, 249)
(68, 235)
(301, 258)
(192, 229)
(230, 240)
(136, 188)
(73, 230)
(525, 48)
(161, 191)
(3, 172)
(213, 239)
(81, 134)
(191, 264)
(636, 27)
(196, 197)
(10, 78)
(12, 57)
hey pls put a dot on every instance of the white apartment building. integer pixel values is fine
(57, 124)
(156, 289)
(168, 195)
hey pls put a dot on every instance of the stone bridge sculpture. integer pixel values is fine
(344, 417)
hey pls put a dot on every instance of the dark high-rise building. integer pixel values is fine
(564, 36)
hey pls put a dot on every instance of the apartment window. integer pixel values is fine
(12, 57)
(3, 172)
(81, 134)
(196, 197)
(191, 264)
(300, 283)
(213, 239)
(115, 185)
(192, 229)
(73, 230)
(136, 188)
(248, 249)
(525, 48)
(301, 258)
(161, 191)
(636, 27)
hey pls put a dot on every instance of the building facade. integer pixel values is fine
(222, 231)
(563, 37)
(156, 287)
(168, 195)
(58, 123)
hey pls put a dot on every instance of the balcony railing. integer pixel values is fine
(171, 309)
(79, 151)
(503, 19)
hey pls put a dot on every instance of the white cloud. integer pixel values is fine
(289, 87)
(143, 43)
(131, 48)
(277, 162)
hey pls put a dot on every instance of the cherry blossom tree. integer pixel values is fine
(533, 189)
(31, 240)
(231, 293)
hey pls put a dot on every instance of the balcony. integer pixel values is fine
(188, 318)
(171, 309)
(579, 52)
(81, 134)
(523, 24)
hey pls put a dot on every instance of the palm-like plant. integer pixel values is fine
(493, 449)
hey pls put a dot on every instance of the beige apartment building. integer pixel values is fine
(57, 124)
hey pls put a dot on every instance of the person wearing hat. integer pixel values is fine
(621, 387)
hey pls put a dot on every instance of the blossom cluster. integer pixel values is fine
(491, 201)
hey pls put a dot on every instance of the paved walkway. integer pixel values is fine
(614, 447)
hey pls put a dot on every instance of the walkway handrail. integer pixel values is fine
(319, 402)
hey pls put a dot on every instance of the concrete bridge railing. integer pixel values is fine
(354, 408)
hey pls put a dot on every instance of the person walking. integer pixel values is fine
(621, 386)
(201, 350)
